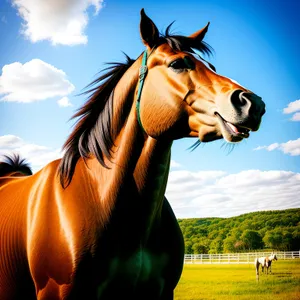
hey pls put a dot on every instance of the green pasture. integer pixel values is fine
(238, 281)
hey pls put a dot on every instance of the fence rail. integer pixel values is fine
(235, 258)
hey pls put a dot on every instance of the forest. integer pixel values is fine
(264, 230)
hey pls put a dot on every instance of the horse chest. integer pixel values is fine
(143, 270)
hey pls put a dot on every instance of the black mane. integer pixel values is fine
(93, 133)
(14, 163)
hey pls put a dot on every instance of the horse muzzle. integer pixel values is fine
(239, 114)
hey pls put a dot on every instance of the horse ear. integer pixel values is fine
(148, 30)
(199, 35)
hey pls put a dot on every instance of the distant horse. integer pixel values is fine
(95, 224)
(269, 260)
(265, 262)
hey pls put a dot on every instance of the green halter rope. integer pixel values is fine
(142, 76)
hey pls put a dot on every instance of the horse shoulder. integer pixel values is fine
(49, 234)
(74, 228)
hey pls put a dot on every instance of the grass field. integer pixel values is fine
(239, 282)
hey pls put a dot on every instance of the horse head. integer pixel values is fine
(184, 96)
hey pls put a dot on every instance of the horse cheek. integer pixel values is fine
(161, 119)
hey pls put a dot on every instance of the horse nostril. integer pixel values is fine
(243, 99)
(237, 98)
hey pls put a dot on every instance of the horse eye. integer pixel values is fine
(189, 63)
(178, 65)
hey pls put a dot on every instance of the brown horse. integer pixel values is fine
(96, 224)
(269, 260)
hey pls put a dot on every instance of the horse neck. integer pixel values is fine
(140, 164)
(271, 258)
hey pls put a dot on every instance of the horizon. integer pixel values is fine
(251, 212)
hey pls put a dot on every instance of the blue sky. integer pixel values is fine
(255, 42)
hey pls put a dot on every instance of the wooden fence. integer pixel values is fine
(236, 258)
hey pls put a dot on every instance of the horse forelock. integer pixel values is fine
(93, 133)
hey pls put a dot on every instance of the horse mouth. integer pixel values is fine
(232, 132)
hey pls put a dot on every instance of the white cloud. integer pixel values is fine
(33, 81)
(269, 148)
(10, 142)
(217, 194)
(296, 117)
(59, 21)
(175, 164)
(291, 147)
(292, 107)
(64, 102)
(37, 156)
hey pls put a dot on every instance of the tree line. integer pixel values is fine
(276, 230)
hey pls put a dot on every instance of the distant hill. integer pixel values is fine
(276, 229)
